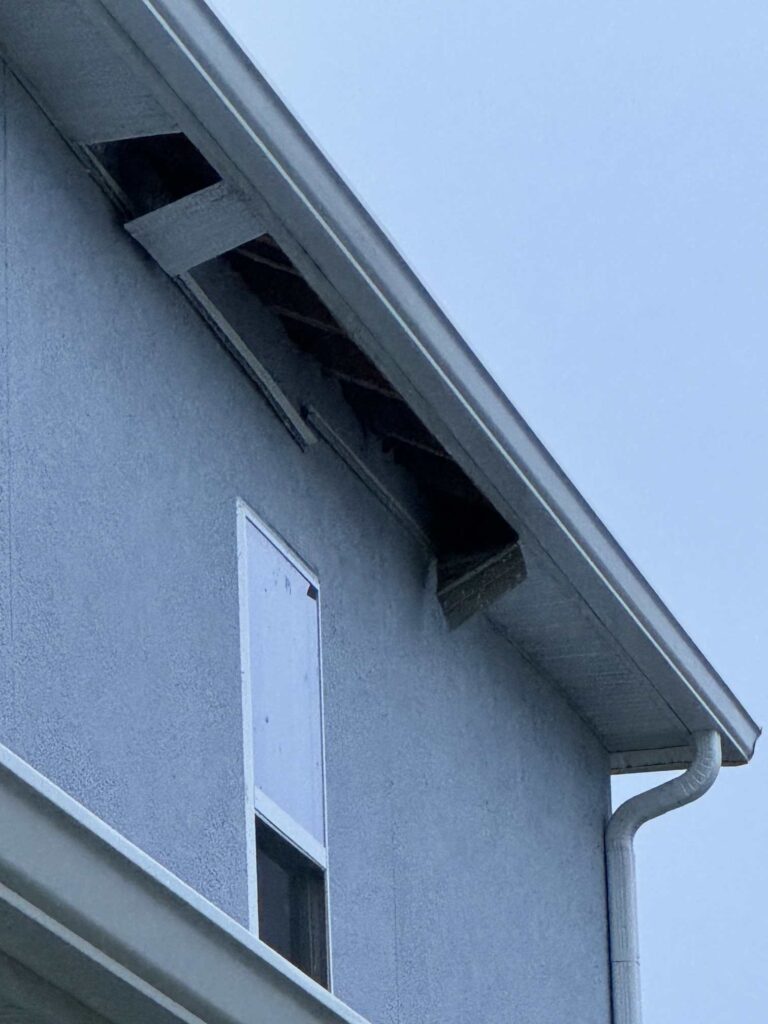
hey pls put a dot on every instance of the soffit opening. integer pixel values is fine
(466, 531)
(169, 190)
(155, 170)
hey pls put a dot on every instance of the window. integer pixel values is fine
(282, 702)
(292, 918)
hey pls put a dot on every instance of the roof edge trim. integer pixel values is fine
(70, 883)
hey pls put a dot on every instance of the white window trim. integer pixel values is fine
(256, 801)
(295, 833)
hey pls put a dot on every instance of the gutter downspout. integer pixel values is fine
(620, 857)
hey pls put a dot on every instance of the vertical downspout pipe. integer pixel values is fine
(620, 859)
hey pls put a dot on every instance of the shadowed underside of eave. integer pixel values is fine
(185, 216)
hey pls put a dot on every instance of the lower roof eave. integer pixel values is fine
(97, 919)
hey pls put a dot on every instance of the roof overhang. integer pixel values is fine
(98, 922)
(584, 614)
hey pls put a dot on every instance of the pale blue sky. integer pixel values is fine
(583, 188)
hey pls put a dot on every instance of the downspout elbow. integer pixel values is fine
(620, 860)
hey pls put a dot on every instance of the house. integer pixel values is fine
(314, 667)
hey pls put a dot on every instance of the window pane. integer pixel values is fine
(291, 903)
(274, 883)
(285, 681)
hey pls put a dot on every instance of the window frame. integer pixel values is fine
(305, 929)
(257, 803)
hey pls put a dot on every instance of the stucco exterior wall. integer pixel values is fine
(466, 800)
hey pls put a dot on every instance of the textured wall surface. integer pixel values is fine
(466, 800)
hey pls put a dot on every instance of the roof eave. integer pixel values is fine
(213, 92)
(230, 109)
(99, 920)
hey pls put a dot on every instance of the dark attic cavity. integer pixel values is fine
(478, 553)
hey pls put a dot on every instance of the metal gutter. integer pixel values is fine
(620, 862)
(95, 917)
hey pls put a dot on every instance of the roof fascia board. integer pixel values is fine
(77, 970)
(230, 111)
(95, 916)
(38, 999)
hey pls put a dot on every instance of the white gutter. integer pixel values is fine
(94, 916)
(620, 855)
